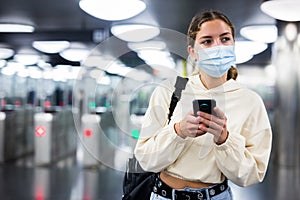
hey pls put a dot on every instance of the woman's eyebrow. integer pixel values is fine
(226, 33)
(205, 37)
(209, 37)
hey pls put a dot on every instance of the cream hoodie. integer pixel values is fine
(243, 158)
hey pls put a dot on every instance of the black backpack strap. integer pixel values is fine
(179, 86)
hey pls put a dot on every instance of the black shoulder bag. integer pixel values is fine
(138, 184)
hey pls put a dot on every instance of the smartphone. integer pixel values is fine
(204, 105)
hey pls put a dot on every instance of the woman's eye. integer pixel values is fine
(205, 42)
(225, 39)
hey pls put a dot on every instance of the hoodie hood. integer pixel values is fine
(229, 86)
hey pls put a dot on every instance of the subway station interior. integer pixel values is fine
(74, 87)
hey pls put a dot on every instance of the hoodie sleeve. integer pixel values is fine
(244, 157)
(158, 145)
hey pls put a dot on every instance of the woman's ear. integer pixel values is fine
(192, 52)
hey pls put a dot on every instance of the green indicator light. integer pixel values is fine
(92, 105)
(135, 133)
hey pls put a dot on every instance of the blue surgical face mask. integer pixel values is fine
(215, 61)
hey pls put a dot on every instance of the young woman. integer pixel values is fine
(195, 155)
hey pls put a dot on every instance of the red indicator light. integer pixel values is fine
(17, 102)
(39, 194)
(47, 103)
(88, 132)
(40, 131)
(3, 102)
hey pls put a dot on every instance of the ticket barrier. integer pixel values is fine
(55, 137)
(29, 129)
(90, 139)
(2, 143)
(16, 127)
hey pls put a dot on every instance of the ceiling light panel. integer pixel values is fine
(135, 32)
(16, 28)
(285, 10)
(50, 46)
(260, 33)
(76, 52)
(151, 44)
(11, 68)
(250, 47)
(112, 10)
(2, 63)
(27, 59)
(74, 55)
(6, 53)
(245, 50)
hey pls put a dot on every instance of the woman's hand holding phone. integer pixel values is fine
(189, 126)
(215, 124)
(204, 119)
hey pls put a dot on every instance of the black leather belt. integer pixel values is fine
(164, 190)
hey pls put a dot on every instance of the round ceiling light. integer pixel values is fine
(27, 59)
(245, 50)
(6, 53)
(151, 44)
(75, 54)
(50, 46)
(260, 33)
(2, 63)
(112, 10)
(135, 32)
(16, 28)
(285, 10)
(250, 47)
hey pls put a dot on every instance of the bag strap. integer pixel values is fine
(179, 86)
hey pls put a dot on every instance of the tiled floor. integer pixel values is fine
(23, 183)
(103, 183)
